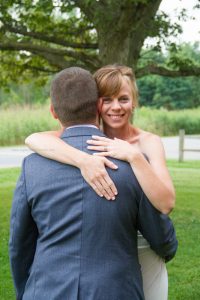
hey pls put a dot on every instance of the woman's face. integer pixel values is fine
(116, 111)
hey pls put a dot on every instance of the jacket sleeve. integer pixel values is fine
(157, 229)
(23, 236)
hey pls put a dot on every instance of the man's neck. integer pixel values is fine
(83, 125)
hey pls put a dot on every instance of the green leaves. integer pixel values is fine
(43, 36)
(176, 92)
(184, 57)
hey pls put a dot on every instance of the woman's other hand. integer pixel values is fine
(94, 172)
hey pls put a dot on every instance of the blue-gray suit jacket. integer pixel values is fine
(67, 243)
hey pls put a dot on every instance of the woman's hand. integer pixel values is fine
(116, 148)
(94, 172)
(92, 168)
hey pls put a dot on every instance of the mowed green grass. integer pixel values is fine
(184, 270)
(8, 179)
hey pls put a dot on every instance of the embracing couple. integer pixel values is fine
(67, 242)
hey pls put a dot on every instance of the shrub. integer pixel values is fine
(17, 122)
(168, 123)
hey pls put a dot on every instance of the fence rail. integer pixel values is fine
(182, 149)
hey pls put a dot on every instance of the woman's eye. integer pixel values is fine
(124, 99)
(106, 100)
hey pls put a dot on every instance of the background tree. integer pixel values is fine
(171, 93)
(43, 36)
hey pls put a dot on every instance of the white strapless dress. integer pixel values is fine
(154, 272)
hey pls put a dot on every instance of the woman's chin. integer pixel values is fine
(115, 125)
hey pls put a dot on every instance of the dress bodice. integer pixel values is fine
(142, 242)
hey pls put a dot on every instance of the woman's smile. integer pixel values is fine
(116, 117)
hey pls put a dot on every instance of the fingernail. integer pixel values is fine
(113, 198)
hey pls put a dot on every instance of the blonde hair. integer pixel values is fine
(109, 80)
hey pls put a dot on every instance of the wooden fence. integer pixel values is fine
(182, 148)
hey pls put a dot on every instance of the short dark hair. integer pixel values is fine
(74, 96)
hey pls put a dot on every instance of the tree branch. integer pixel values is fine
(30, 67)
(32, 47)
(163, 71)
(54, 56)
(46, 38)
(39, 69)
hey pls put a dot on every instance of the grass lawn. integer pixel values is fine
(184, 270)
(8, 179)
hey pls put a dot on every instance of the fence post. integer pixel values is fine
(181, 144)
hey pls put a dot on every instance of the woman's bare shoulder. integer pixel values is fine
(147, 137)
(150, 143)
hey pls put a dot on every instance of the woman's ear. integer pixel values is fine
(53, 112)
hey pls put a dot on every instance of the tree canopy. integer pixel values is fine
(154, 91)
(41, 37)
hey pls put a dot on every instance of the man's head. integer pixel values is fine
(74, 97)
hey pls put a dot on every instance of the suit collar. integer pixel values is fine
(81, 131)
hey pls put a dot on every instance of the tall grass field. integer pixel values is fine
(184, 269)
(16, 123)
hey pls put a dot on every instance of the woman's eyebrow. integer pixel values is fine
(106, 97)
(123, 95)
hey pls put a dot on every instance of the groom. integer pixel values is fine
(66, 243)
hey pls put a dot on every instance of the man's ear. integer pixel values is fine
(53, 112)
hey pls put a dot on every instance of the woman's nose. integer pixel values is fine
(115, 104)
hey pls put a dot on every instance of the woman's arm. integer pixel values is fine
(49, 144)
(153, 176)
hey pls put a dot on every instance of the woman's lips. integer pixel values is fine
(115, 117)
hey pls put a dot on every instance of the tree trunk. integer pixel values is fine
(122, 27)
